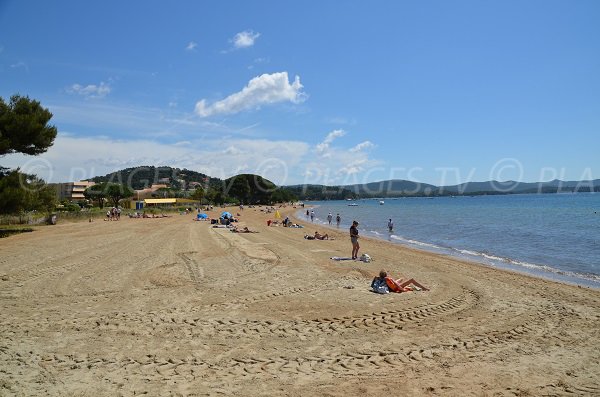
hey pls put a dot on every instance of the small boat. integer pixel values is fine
(381, 202)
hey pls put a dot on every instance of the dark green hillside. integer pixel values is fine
(145, 176)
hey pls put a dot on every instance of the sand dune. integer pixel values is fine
(173, 307)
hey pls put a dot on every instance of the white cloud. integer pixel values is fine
(262, 90)
(354, 167)
(232, 150)
(362, 146)
(75, 158)
(335, 164)
(323, 147)
(20, 64)
(90, 91)
(191, 46)
(245, 39)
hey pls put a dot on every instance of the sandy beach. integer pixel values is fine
(171, 306)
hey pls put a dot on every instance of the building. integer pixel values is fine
(147, 192)
(72, 191)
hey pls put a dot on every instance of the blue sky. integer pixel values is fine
(328, 92)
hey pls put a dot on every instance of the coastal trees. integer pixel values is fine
(96, 193)
(24, 129)
(116, 192)
(254, 189)
(198, 194)
(21, 192)
(107, 191)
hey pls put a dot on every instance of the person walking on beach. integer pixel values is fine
(312, 215)
(306, 214)
(354, 239)
(391, 225)
(329, 218)
(338, 219)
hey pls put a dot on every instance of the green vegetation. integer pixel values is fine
(107, 191)
(145, 176)
(24, 129)
(239, 189)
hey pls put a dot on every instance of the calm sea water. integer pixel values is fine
(554, 236)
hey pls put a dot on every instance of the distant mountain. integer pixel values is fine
(391, 188)
(512, 187)
(400, 188)
(176, 178)
(320, 192)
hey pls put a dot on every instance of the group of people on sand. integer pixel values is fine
(147, 216)
(113, 214)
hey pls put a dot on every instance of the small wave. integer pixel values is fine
(484, 257)
(375, 232)
(415, 242)
(527, 265)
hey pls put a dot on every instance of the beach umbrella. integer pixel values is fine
(277, 214)
(202, 216)
(226, 215)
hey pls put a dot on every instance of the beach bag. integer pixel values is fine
(365, 258)
(380, 287)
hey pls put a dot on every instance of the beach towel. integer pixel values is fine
(341, 258)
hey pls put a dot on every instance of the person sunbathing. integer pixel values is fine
(244, 230)
(319, 236)
(399, 285)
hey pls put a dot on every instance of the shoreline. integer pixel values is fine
(504, 264)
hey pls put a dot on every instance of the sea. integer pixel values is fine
(553, 236)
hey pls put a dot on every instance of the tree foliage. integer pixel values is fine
(21, 192)
(24, 127)
(254, 189)
(116, 192)
(113, 192)
(96, 193)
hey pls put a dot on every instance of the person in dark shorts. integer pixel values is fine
(354, 239)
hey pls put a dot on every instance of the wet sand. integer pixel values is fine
(171, 306)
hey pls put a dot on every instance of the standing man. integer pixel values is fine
(329, 218)
(338, 219)
(312, 215)
(354, 239)
(391, 225)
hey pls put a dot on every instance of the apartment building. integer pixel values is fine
(72, 190)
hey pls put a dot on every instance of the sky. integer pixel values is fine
(320, 92)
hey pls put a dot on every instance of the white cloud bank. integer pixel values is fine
(281, 161)
(75, 158)
(333, 164)
(245, 39)
(262, 90)
(90, 91)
